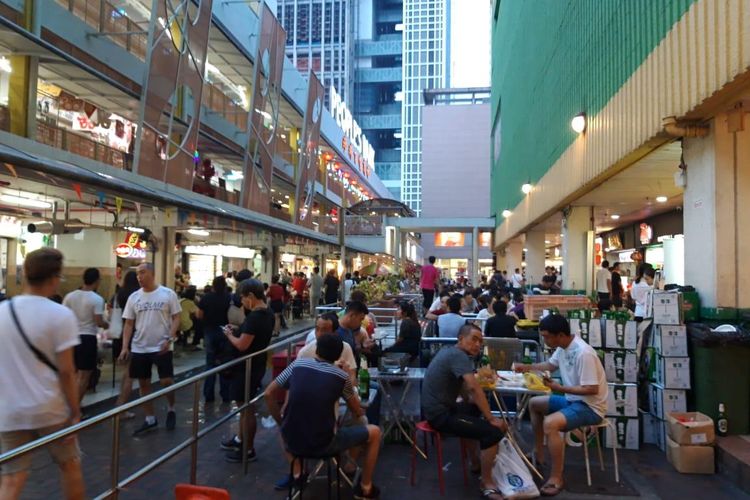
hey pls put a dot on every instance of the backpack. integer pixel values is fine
(235, 313)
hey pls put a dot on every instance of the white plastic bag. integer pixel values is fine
(115, 321)
(510, 474)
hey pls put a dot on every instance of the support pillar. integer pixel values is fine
(535, 256)
(166, 273)
(397, 250)
(501, 261)
(475, 256)
(715, 217)
(514, 256)
(578, 249)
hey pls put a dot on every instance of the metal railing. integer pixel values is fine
(374, 310)
(115, 415)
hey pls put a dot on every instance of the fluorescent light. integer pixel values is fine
(614, 216)
(527, 188)
(24, 202)
(525, 249)
(507, 213)
(199, 232)
(134, 229)
(661, 199)
(578, 123)
(286, 196)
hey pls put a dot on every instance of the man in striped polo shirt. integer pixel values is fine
(308, 425)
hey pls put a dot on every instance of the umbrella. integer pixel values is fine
(369, 269)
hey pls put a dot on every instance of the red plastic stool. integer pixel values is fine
(194, 492)
(426, 428)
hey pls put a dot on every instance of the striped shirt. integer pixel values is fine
(314, 386)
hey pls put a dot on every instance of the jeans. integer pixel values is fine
(214, 341)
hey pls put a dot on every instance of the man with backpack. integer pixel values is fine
(38, 376)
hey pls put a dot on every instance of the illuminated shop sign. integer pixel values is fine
(126, 251)
(354, 143)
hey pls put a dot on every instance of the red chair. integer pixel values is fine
(426, 429)
(195, 492)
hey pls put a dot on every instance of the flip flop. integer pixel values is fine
(488, 492)
(550, 490)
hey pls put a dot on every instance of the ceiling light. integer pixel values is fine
(24, 202)
(507, 213)
(286, 196)
(527, 188)
(547, 242)
(579, 123)
(134, 229)
(525, 249)
(614, 216)
(199, 232)
(661, 199)
(285, 205)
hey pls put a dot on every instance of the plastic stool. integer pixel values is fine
(586, 431)
(329, 459)
(426, 428)
(195, 492)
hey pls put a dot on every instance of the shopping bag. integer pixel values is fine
(510, 475)
(115, 321)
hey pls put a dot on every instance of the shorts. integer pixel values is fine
(237, 386)
(84, 354)
(61, 451)
(141, 363)
(346, 438)
(577, 413)
(277, 306)
(466, 422)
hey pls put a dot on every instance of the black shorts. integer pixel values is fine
(428, 296)
(466, 422)
(84, 353)
(277, 306)
(237, 386)
(142, 362)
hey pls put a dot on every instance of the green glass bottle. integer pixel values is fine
(363, 378)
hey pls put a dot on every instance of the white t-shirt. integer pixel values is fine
(29, 390)
(639, 293)
(485, 315)
(310, 337)
(602, 275)
(348, 285)
(579, 365)
(152, 312)
(435, 305)
(517, 280)
(85, 304)
(347, 356)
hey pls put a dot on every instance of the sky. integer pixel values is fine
(470, 43)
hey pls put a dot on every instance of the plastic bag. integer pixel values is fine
(510, 475)
(703, 335)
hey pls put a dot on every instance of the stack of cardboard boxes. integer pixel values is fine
(671, 375)
(615, 338)
(690, 439)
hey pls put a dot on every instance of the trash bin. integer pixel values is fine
(721, 374)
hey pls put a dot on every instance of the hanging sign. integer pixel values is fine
(354, 143)
(126, 251)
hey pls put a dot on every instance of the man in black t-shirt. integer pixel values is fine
(212, 311)
(500, 325)
(253, 335)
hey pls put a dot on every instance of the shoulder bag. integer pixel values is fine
(39, 354)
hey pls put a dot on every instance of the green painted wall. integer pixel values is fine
(552, 59)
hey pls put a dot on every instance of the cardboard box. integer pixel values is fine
(621, 366)
(653, 430)
(625, 433)
(690, 428)
(662, 401)
(671, 340)
(589, 330)
(620, 334)
(622, 400)
(690, 459)
(673, 373)
(666, 308)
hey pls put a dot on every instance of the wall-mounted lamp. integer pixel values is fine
(578, 123)
(507, 213)
(527, 188)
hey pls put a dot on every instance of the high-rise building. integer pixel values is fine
(426, 62)
(377, 83)
(319, 35)
(395, 49)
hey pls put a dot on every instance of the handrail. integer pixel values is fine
(114, 414)
(393, 310)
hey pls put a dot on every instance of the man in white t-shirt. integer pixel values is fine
(38, 392)
(349, 284)
(154, 312)
(517, 280)
(584, 385)
(329, 323)
(88, 306)
(604, 286)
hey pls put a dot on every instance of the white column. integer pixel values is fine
(514, 256)
(475, 256)
(535, 256)
(578, 250)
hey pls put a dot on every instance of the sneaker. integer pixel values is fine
(171, 420)
(283, 484)
(231, 444)
(146, 427)
(235, 456)
(360, 495)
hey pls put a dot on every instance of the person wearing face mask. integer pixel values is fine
(644, 282)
